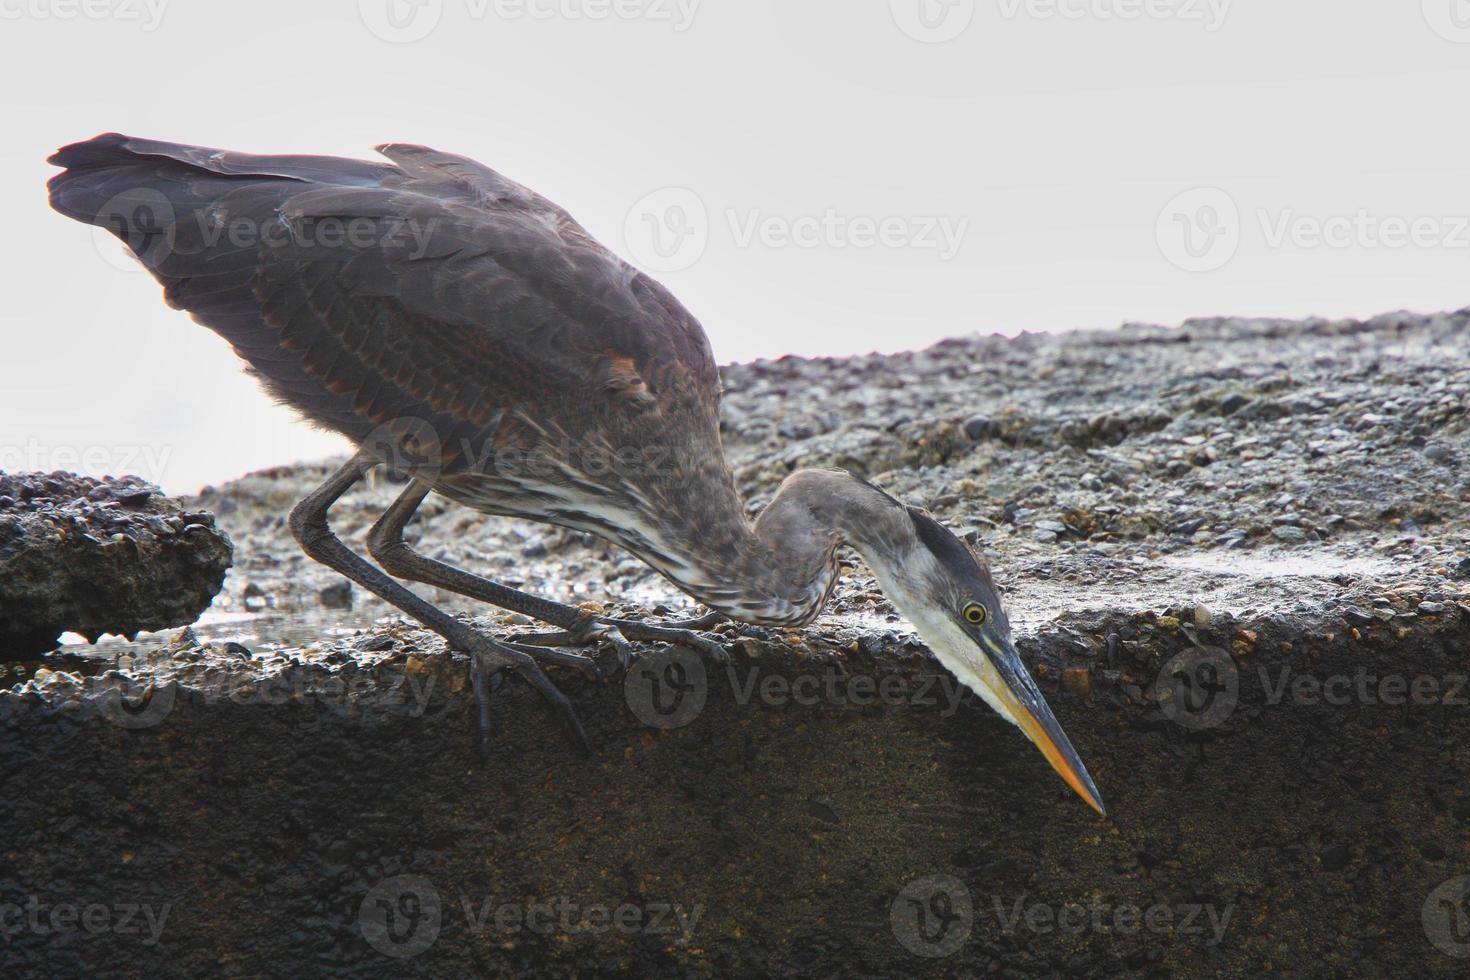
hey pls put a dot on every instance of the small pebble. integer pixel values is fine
(337, 595)
(978, 427)
(1233, 403)
(1077, 680)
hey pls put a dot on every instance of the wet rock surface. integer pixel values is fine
(1237, 557)
(99, 556)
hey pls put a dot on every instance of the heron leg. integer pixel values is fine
(576, 627)
(310, 526)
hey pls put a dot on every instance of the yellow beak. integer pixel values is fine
(1029, 710)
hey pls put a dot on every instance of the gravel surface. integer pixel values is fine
(1249, 464)
(1237, 557)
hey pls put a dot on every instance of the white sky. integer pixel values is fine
(1024, 174)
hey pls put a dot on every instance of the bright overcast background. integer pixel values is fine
(809, 176)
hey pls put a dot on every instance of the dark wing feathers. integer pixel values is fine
(109, 150)
(430, 288)
(477, 182)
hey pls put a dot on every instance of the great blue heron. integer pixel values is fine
(444, 317)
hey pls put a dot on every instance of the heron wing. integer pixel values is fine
(431, 289)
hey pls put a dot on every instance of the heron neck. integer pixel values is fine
(785, 566)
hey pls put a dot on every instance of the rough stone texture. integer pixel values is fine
(1279, 721)
(99, 556)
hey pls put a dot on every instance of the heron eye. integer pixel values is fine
(975, 614)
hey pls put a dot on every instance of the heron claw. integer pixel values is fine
(679, 636)
(496, 656)
(586, 633)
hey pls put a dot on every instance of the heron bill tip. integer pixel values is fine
(1029, 710)
(1063, 758)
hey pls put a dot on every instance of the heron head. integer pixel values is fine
(947, 593)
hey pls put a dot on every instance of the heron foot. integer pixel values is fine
(588, 632)
(676, 635)
(706, 622)
(619, 632)
(488, 657)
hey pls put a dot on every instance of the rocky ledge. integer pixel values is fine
(99, 556)
(1236, 556)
